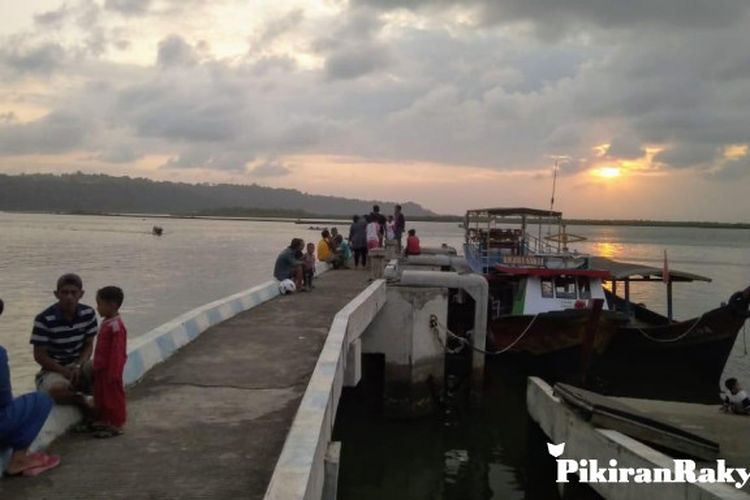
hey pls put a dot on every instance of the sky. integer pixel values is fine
(643, 105)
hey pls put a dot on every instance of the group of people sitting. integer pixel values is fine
(295, 265)
(63, 342)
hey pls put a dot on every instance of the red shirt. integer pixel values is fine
(110, 353)
(412, 246)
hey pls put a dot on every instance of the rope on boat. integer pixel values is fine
(680, 337)
(436, 326)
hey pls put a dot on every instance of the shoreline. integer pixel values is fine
(333, 219)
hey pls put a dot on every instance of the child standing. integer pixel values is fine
(308, 269)
(109, 362)
(373, 233)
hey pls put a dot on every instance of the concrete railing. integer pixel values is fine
(584, 441)
(300, 472)
(157, 345)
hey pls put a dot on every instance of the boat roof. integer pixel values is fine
(627, 270)
(535, 212)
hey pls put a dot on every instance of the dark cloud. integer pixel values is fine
(209, 158)
(57, 132)
(269, 168)
(356, 61)
(732, 170)
(129, 7)
(688, 155)
(175, 51)
(119, 154)
(52, 18)
(279, 26)
(554, 17)
(184, 107)
(41, 59)
(625, 147)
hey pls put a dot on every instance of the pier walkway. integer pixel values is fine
(211, 421)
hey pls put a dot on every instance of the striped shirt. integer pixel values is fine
(64, 339)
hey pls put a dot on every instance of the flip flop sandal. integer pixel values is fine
(46, 462)
(51, 462)
(108, 432)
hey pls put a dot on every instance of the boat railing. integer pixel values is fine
(537, 245)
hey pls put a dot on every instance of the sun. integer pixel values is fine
(607, 172)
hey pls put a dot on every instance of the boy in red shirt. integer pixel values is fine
(110, 355)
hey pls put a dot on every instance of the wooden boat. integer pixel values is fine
(678, 360)
(544, 305)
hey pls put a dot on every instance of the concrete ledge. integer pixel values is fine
(159, 344)
(582, 440)
(300, 470)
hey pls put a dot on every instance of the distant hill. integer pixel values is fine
(103, 193)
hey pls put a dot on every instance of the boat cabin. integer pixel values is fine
(523, 253)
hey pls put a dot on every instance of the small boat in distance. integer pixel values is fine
(549, 305)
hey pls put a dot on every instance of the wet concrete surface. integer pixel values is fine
(211, 421)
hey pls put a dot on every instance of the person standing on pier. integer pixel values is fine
(63, 340)
(288, 266)
(358, 240)
(373, 233)
(399, 225)
(109, 363)
(380, 219)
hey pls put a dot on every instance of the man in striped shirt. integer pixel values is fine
(63, 339)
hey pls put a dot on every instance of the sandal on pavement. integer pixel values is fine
(42, 462)
(51, 462)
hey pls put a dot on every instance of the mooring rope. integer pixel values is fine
(680, 337)
(437, 326)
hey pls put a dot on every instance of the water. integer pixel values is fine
(492, 453)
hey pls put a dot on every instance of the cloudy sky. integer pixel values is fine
(644, 104)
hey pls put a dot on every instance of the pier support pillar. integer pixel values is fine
(414, 356)
(331, 478)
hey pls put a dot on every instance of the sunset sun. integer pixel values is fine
(607, 172)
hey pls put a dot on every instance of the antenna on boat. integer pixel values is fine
(554, 185)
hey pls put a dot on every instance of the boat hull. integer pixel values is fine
(680, 361)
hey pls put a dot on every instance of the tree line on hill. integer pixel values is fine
(99, 193)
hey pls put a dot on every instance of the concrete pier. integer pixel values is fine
(210, 422)
(563, 424)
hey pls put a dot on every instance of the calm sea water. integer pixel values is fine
(480, 454)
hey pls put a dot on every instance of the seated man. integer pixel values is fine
(737, 401)
(63, 340)
(289, 264)
(327, 251)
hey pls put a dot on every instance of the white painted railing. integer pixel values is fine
(300, 470)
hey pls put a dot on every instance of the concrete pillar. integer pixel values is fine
(414, 356)
(391, 249)
(376, 261)
(331, 478)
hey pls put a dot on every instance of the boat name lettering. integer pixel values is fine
(523, 260)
